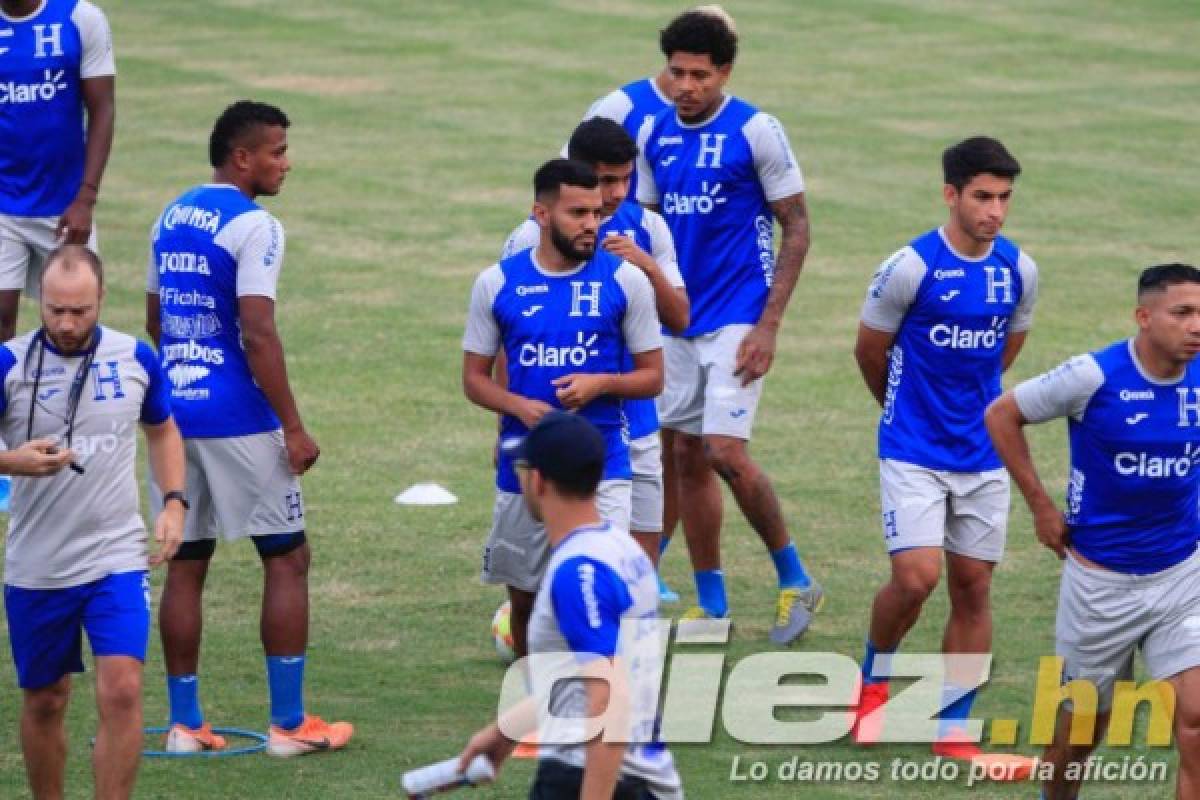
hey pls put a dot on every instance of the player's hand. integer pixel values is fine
(168, 532)
(530, 411)
(626, 248)
(578, 389)
(302, 450)
(75, 224)
(1051, 529)
(755, 354)
(37, 458)
(490, 742)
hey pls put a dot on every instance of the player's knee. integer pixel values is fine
(727, 456)
(47, 703)
(1187, 726)
(915, 585)
(121, 692)
(689, 452)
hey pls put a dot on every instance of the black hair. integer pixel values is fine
(977, 156)
(601, 141)
(582, 485)
(71, 256)
(1159, 277)
(558, 172)
(235, 122)
(699, 32)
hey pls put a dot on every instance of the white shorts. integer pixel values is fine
(24, 244)
(962, 512)
(1104, 616)
(241, 486)
(702, 395)
(646, 507)
(516, 551)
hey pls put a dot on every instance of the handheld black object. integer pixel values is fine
(73, 397)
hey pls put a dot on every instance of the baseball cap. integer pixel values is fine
(563, 447)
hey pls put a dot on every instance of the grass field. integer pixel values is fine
(416, 128)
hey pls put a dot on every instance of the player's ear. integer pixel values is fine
(1141, 315)
(541, 214)
(949, 194)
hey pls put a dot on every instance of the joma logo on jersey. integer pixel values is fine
(683, 204)
(543, 355)
(957, 337)
(15, 93)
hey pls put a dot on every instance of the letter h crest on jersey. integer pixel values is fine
(1189, 413)
(709, 154)
(590, 296)
(996, 284)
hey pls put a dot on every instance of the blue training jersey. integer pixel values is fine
(555, 324)
(210, 247)
(637, 223)
(44, 58)
(1134, 487)
(713, 183)
(631, 106)
(951, 317)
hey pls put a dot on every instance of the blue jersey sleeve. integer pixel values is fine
(156, 405)
(589, 599)
(7, 362)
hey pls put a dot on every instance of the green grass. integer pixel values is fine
(416, 129)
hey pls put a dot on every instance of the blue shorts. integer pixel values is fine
(45, 625)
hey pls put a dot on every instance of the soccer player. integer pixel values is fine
(214, 264)
(597, 607)
(1131, 572)
(641, 238)
(719, 170)
(56, 65)
(943, 318)
(564, 313)
(632, 106)
(72, 395)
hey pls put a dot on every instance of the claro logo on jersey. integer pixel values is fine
(678, 204)
(1146, 465)
(958, 337)
(14, 93)
(543, 355)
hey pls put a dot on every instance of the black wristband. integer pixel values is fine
(176, 495)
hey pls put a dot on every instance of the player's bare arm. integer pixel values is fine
(482, 389)
(871, 353)
(645, 380)
(164, 446)
(671, 302)
(757, 350)
(1012, 348)
(264, 354)
(99, 98)
(153, 321)
(1005, 425)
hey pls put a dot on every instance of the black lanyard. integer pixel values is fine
(73, 396)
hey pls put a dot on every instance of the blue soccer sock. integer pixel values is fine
(790, 569)
(183, 695)
(710, 591)
(868, 664)
(955, 713)
(285, 678)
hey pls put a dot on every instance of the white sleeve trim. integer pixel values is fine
(778, 171)
(663, 247)
(893, 290)
(523, 237)
(1064, 391)
(256, 242)
(482, 333)
(647, 191)
(1022, 318)
(96, 61)
(641, 328)
(615, 105)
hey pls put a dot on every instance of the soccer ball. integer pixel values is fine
(502, 633)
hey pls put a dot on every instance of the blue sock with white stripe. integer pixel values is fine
(789, 568)
(285, 679)
(183, 695)
(710, 591)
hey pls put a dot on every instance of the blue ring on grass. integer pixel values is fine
(259, 744)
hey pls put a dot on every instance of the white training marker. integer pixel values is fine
(425, 494)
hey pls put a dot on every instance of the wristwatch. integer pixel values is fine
(176, 495)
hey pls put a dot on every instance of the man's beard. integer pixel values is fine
(567, 247)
